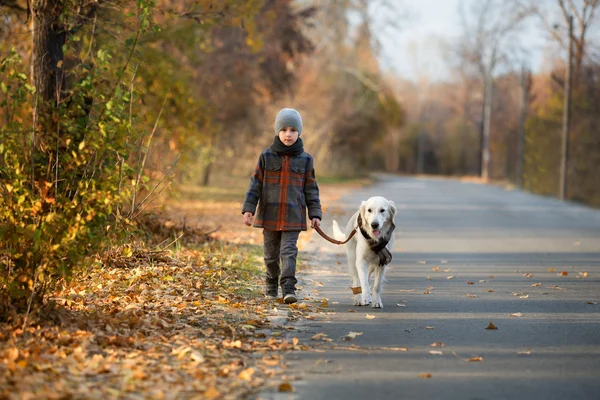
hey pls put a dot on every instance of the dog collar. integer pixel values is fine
(378, 246)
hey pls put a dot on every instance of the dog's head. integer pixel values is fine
(377, 214)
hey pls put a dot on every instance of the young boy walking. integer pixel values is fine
(283, 185)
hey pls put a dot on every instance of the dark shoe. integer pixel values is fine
(271, 290)
(289, 297)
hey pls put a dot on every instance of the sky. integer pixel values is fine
(414, 48)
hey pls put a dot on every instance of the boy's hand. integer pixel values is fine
(248, 218)
(316, 222)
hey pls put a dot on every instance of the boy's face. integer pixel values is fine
(288, 135)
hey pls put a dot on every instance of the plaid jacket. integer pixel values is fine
(283, 187)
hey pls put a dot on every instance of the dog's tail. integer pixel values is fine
(337, 232)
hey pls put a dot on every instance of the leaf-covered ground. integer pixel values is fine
(142, 322)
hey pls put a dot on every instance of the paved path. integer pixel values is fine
(505, 251)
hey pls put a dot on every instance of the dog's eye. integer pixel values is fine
(382, 210)
(369, 210)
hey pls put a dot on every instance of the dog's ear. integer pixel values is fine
(392, 208)
(361, 210)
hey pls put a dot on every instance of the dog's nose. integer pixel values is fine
(374, 225)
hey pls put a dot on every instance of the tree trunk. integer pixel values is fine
(47, 56)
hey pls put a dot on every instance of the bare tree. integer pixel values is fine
(487, 30)
(583, 13)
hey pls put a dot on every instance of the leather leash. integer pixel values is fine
(324, 236)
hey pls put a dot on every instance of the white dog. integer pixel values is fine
(369, 251)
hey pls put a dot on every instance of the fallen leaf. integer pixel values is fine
(351, 310)
(592, 302)
(528, 275)
(426, 292)
(246, 374)
(318, 336)
(525, 353)
(207, 331)
(436, 352)
(450, 277)
(422, 262)
(425, 376)
(472, 296)
(369, 316)
(564, 273)
(429, 327)
(489, 290)
(492, 277)
(295, 341)
(352, 335)
(524, 296)
(285, 387)
(429, 278)
(396, 348)
(551, 270)
(584, 274)
(435, 269)
(516, 315)
(476, 359)
(212, 393)
(536, 284)
(556, 287)
(491, 326)
(470, 283)
(401, 305)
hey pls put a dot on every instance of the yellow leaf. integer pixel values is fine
(246, 374)
(295, 341)
(551, 270)
(271, 362)
(285, 387)
(82, 145)
(476, 359)
(212, 393)
(425, 376)
(491, 326)
(536, 284)
(318, 336)
(472, 296)
(369, 316)
(207, 331)
(435, 352)
(516, 315)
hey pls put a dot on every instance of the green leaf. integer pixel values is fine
(129, 42)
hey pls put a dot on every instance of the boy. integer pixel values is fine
(283, 185)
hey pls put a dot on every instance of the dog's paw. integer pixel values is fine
(365, 300)
(377, 304)
(357, 300)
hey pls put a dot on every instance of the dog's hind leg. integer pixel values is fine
(378, 281)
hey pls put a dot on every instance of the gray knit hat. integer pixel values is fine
(288, 117)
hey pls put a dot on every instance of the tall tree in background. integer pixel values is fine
(487, 31)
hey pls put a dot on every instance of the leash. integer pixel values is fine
(324, 236)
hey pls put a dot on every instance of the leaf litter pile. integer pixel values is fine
(141, 323)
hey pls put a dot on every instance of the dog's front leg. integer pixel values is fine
(362, 268)
(378, 281)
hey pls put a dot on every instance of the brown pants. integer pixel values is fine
(282, 246)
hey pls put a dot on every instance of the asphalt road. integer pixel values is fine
(465, 255)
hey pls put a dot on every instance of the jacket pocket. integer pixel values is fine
(272, 173)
